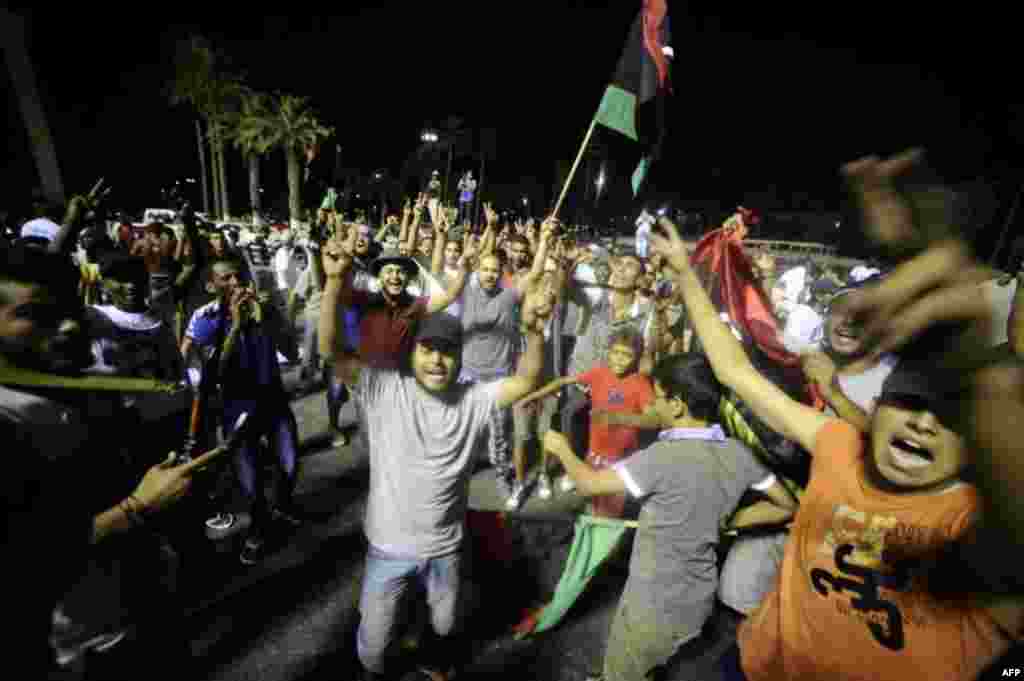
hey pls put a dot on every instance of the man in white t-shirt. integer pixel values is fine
(423, 427)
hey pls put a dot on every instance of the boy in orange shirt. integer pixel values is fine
(617, 387)
(856, 596)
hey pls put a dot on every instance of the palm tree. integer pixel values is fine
(289, 123)
(202, 80)
(251, 139)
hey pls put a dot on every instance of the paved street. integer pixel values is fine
(293, 617)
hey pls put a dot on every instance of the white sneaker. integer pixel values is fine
(515, 500)
(221, 521)
(566, 484)
(544, 486)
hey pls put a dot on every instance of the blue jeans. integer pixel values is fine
(276, 420)
(388, 582)
(499, 448)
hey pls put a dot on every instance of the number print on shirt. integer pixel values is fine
(865, 599)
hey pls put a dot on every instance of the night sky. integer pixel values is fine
(768, 102)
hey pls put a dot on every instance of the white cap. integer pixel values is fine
(40, 228)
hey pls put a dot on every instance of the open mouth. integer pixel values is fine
(908, 454)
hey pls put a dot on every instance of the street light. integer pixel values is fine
(429, 136)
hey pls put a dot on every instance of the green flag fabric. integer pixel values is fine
(640, 173)
(618, 111)
(595, 539)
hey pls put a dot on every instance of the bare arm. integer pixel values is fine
(590, 482)
(550, 389)
(648, 420)
(531, 362)
(337, 259)
(440, 301)
(728, 359)
(847, 409)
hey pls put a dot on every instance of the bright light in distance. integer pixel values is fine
(429, 136)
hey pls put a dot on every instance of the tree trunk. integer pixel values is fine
(24, 81)
(214, 175)
(294, 186)
(222, 163)
(203, 169)
(254, 189)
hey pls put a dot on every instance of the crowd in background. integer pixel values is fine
(779, 427)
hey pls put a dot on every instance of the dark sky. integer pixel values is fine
(768, 102)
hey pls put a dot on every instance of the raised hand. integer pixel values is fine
(939, 285)
(338, 253)
(468, 259)
(239, 303)
(670, 245)
(549, 227)
(490, 215)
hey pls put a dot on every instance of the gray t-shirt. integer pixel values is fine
(420, 460)
(490, 324)
(687, 487)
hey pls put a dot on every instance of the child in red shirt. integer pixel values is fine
(616, 387)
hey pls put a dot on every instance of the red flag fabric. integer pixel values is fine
(722, 252)
(654, 14)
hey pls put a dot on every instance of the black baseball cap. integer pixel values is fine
(440, 326)
(919, 386)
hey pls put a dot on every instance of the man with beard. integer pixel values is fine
(385, 316)
(424, 426)
(54, 439)
(489, 321)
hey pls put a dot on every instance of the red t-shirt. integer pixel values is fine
(629, 394)
(386, 333)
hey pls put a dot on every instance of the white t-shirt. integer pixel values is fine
(864, 389)
(803, 330)
(793, 282)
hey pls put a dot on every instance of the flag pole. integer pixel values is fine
(572, 172)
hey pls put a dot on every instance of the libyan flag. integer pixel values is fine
(634, 102)
(594, 540)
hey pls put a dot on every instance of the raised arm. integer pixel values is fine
(531, 362)
(440, 301)
(728, 359)
(441, 228)
(540, 258)
(821, 371)
(549, 389)
(337, 260)
(414, 229)
(488, 239)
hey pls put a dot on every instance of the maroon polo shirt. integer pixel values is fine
(386, 333)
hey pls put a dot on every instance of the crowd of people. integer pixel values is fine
(813, 446)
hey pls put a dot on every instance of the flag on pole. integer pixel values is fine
(634, 102)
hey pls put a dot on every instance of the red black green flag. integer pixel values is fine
(634, 102)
